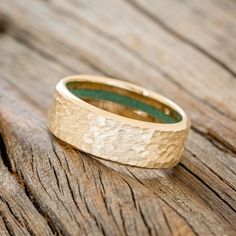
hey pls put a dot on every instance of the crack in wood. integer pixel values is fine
(223, 180)
(198, 178)
(162, 199)
(7, 163)
(215, 141)
(27, 43)
(3, 154)
(215, 192)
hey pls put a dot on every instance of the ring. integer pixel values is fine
(118, 121)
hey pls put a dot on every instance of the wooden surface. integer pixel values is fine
(185, 50)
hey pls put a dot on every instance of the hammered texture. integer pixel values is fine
(112, 139)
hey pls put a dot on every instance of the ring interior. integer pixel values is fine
(124, 102)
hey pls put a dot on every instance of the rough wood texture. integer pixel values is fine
(182, 49)
(18, 216)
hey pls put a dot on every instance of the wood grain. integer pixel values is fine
(71, 193)
(18, 214)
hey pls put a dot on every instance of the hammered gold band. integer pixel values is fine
(118, 121)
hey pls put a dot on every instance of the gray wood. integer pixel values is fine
(18, 215)
(41, 42)
(209, 27)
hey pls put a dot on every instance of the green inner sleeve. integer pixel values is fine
(125, 101)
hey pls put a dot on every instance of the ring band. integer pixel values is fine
(118, 121)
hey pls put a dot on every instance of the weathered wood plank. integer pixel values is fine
(78, 194)
(3, 228)
(18, 215)
(75, 192)
(204, 117)
(26, 56)
(152, 45)
(185, 210)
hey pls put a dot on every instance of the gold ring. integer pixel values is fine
(118, 121)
